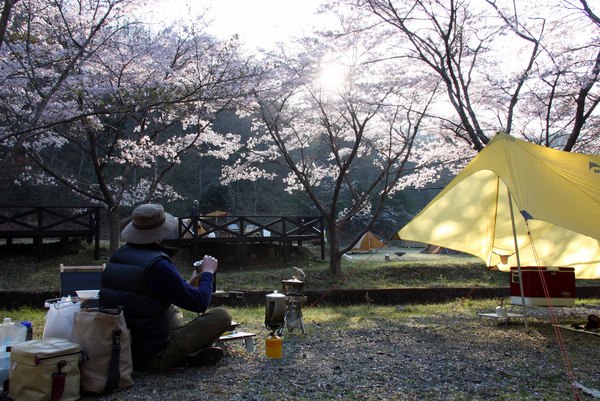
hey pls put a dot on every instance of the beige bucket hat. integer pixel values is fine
(149, 223)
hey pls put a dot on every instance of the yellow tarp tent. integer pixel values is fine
(367, 243)
(556, 208)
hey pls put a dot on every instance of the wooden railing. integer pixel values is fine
(244, 230)
(45, 222)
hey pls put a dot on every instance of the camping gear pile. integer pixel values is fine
(83, 350)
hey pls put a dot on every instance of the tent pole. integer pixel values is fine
(514, 229)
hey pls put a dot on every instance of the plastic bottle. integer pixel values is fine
(10, 334)
(29, 326)
(273, 346)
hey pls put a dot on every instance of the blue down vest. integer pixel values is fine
(125, 283)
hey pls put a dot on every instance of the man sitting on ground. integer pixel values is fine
(141, 278)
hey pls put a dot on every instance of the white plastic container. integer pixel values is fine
(10, 333)
(4, 368)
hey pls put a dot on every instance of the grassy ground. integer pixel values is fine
(397, 353)
(383, 269)
(380, 270)
(22, 272)
(413, 269)
(373, 271)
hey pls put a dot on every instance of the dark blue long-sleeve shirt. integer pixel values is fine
(168, 284)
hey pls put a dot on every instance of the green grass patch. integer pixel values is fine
(431, 271)
(412, 270)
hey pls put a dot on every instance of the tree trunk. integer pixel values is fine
(5, 18)
(114, 221)
(335, 258)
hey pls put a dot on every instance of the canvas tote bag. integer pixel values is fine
(105, 342)
(44, 370)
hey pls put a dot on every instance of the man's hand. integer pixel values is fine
(209, 264)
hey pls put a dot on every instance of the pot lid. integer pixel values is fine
(293, 280)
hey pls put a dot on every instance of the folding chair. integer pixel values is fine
(73, 278)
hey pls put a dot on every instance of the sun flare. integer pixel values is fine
(333, 76)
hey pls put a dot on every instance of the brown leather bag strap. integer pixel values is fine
(114, 373)
(58, 382)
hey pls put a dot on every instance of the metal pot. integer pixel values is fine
(293, 286)
(275, 310)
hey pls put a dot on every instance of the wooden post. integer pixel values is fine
(243, 244)
(97, 232)
(322, 228)
(284, 243)
(38, 239)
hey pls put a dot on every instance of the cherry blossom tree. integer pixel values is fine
(45, 43)
(561, 91)
(328, 112)
(126, 111)
(526, 68)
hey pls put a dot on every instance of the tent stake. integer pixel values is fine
(514, 229)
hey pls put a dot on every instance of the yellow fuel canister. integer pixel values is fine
(273, 346)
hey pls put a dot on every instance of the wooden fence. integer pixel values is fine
(241, 231)
(50, 222)
(41, 223)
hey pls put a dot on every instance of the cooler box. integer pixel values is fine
(560, 282)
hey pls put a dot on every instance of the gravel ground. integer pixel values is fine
(408, 358)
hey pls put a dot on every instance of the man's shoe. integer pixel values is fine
(204, 357)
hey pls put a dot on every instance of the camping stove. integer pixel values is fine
(294, 298)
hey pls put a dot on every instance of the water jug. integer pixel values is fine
(10, 333)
